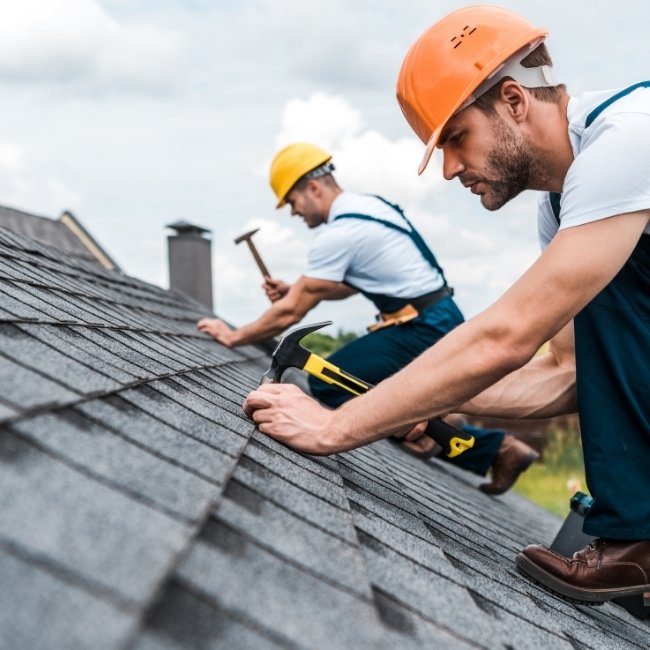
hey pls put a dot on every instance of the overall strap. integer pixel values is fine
(410, 232)
(601, 107)
(555, 197)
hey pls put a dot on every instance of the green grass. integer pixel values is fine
(547, 486)
(324, 344)
(545, 483)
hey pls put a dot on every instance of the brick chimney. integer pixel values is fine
(190, 261)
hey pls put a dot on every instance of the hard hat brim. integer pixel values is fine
(431, 145)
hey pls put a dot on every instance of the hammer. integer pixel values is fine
(290, 354)
(247, 237)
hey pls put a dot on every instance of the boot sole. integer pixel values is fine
(570, 592)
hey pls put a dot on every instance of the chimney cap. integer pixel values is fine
(185, 228)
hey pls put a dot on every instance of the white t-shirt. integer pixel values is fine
(610, 173)
(369, 255)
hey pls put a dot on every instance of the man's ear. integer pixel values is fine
(515, 99)
(314, 188)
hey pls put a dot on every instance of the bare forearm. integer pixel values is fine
(274, 321)
(461, 365)
(544, 387)
(541, 389)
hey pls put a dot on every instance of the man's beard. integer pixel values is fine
(511, 162)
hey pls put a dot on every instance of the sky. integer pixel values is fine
(133, 114)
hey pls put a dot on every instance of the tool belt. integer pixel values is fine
(411, 310)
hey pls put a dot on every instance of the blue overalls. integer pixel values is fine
(612, 342)
(380, 354)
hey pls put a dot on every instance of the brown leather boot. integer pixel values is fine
(603, 570)
(513, 457)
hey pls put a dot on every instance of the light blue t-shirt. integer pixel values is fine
(368, 255)
(610, 173)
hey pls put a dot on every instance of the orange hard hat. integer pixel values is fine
(456, 55)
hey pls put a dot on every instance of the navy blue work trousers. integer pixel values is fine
(612, 337)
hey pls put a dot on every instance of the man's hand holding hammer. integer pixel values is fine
(275, 289)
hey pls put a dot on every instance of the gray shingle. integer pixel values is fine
(53, 613)
(212, 391)
(73, 345)
(275, 594)
(118, 545)
(218, 431)
(203, 404)
(405, 628)
(386, 525)
(81, 309)
(120, 463)
(432, 596)
(20, 346)
(317, 481)
(26, 389)
(290, 536)
(296, 496)
(16, 302)
(47, 231)
(7, 412)
(149, 349)
(58, 307)
(177, 446)
(184, 620)
(107, 340)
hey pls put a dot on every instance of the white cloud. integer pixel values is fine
(323, 118)
(25, 186)
(366, 160)
(76, 42)
(12, 156)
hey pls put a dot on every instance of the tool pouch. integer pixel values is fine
(403, 315)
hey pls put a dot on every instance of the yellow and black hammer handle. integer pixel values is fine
(452, 440)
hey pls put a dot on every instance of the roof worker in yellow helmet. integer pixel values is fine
(365, 244)
(477, 85)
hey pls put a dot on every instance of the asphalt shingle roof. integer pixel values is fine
(53, 233)
(140, 508)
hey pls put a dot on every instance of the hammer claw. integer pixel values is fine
(289, 353)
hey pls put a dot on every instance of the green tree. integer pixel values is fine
(324, 344)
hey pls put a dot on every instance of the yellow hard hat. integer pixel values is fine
(457, 59)
(291, 164)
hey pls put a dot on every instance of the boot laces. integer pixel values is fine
(598, 545)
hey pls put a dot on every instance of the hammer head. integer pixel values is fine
(289, 353)
(245, 236)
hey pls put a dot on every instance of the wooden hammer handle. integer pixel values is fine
(258, 259)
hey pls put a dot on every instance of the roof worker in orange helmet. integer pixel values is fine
(365, 244)
(478, 86)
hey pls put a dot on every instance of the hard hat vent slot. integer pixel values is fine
(458, 40)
